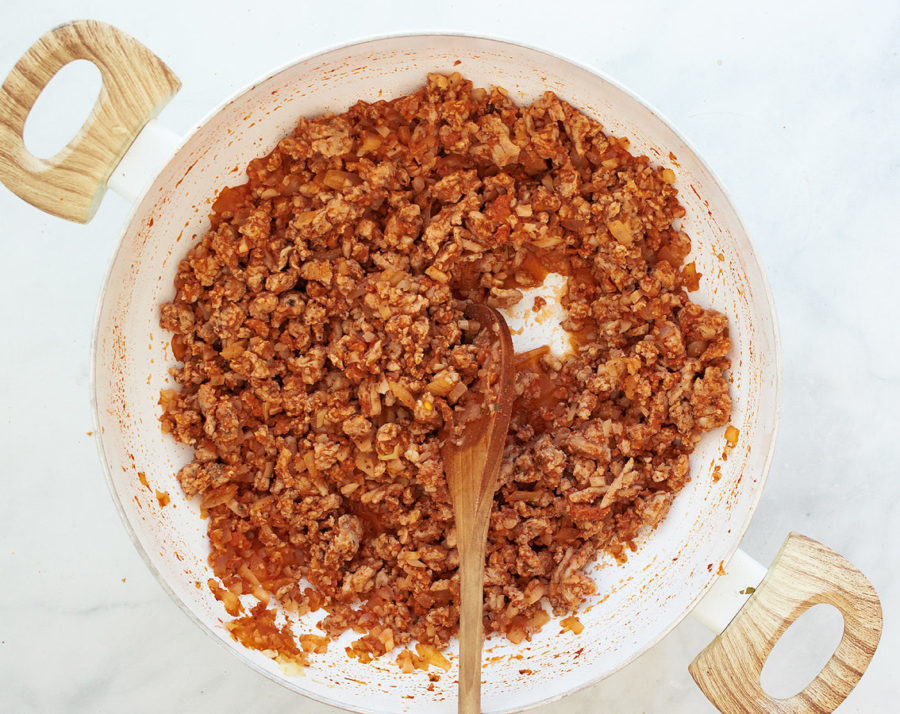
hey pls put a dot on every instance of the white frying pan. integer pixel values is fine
(639, 602)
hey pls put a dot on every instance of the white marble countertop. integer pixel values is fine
(795, 105)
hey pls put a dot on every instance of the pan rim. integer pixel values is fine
(739, 531)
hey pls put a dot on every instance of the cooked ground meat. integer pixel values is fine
(319, 331)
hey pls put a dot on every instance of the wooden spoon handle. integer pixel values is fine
(803, 574)
(471, 626)
(136, 85)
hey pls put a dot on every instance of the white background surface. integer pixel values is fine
(796, 107)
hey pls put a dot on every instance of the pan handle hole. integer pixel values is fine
(62, 108)
(803, 650)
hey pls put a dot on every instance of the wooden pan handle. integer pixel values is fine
(136, 86)
(803, 574)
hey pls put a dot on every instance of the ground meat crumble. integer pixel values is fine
(319, 326)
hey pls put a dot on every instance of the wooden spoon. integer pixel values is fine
(472, 453)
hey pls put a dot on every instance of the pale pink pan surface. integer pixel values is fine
(638, 602)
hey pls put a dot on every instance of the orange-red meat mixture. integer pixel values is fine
(318, 328)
